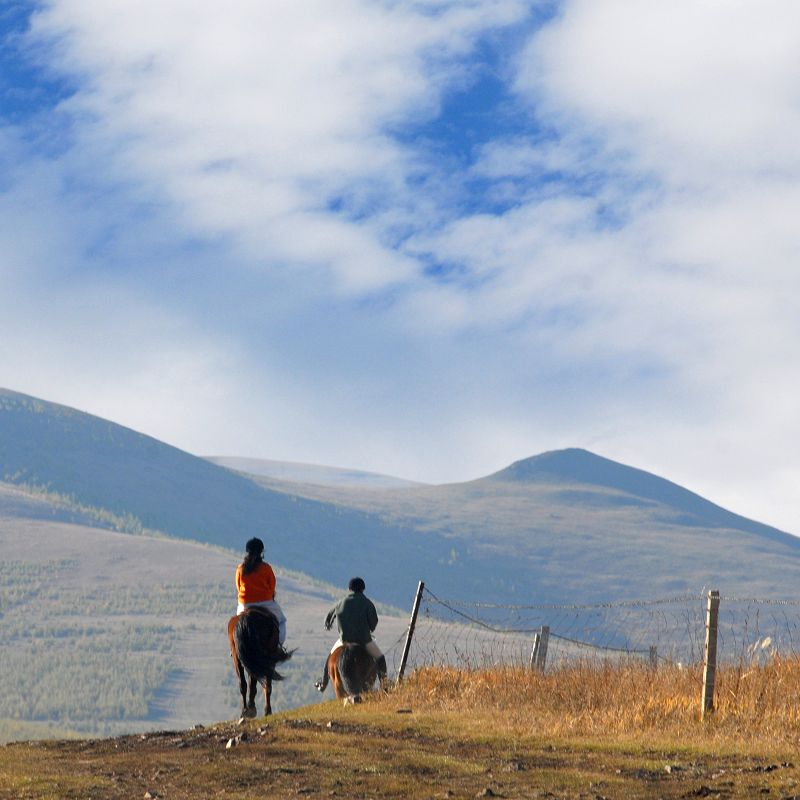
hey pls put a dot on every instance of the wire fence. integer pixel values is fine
(672, 630)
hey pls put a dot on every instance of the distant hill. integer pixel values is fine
(628, 486)
(131, 482)
(572, 526)
(567, 526)
(293, 472)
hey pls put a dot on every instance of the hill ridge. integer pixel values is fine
(577, 464)
(541, 530)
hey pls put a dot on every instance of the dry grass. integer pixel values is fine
(590, 731)
(757, 704)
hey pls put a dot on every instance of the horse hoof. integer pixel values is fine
(352, 700)
(249, 713)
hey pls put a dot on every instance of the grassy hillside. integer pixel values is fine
(563, 527)
(132, 482)
(310, 473)
(574, 527)
(103, 633)
(608, 483)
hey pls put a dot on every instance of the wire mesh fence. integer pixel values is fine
(672, 630)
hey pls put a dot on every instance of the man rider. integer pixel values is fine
(356, 619)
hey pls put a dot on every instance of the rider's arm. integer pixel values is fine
(372, 615)
(239, 581)
(330, 618)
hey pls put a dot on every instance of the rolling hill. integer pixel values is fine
(133, 483)
(559, 527)
(572, 526)
(310, 473)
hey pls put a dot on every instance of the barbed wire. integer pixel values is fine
(666, 630)
(579, 606)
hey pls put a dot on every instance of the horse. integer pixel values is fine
(256, 650)
(351, 669)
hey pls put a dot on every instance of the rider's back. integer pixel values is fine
(356, 617)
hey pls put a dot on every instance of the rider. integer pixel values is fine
(255, 584)
(356, 619)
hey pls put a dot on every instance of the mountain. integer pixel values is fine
(132, 482)
(294, 472)
(572, 526)
(616, 483)
(565, 526)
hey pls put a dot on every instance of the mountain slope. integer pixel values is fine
(572, 526)
(293, 472)
(575, 465)
(104, 633)
(568, 526)
(135, 482)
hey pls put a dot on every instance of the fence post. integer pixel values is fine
(412, 623)
(710, 654)
(653, 656)
(539, 654)
(537, 637)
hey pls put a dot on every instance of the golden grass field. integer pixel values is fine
(588, 731)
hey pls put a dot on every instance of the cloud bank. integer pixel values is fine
(425, 238)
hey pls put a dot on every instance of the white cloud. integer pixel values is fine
(253, 117)
(653, 241)
(629, 283)
(692, 85)
(702, 97)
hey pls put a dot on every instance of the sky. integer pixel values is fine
(425, 238)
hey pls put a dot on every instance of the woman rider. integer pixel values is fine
(255, 584)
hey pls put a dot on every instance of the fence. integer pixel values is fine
(685, 630)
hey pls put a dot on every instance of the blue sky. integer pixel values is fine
(424, 238)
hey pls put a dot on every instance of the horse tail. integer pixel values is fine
(356, 669)
(256, 637)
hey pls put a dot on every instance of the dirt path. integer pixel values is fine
(358, 752)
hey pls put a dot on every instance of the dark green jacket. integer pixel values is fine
(355, 616)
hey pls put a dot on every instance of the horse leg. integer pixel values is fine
(237, 663)
(323, 683)
(334, 674)
(268, 697)
(240, 673)
(338, 684)
(380, 667)
(250, 707)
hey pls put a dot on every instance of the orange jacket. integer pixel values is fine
(256, 586)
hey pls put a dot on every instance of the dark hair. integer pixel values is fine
(356, 585)
(254, 555)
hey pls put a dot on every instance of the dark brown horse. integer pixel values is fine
(351, 669)
(255, 650)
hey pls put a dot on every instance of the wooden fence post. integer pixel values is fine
(710, 654)
(653, 656)
(411, 625)
(539, 652)
(535, 649)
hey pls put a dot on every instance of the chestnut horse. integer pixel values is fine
(255, 650)
(351, 669)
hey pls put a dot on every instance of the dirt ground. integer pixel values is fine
(364, 752)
